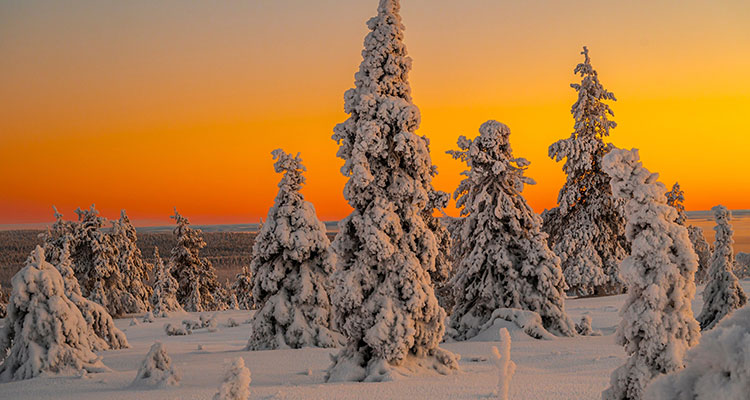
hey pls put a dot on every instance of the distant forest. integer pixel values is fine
(227, 251)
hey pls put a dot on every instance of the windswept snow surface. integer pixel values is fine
(561, 368)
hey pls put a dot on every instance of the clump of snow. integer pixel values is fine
(387, 251)
(44, 331)
(527, 321)
(587, 228)
(231, 323)
(173, 330)
(291, 265)
(657, 324)
(502, 256)
(164, 297)
(208, 321)
(505, 366)
(723, 292)
(236, 384)
(148, 317)
(584, 327)
(718, 368)
(156, 369)
(198, 288)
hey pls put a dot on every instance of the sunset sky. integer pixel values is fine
(147, 105)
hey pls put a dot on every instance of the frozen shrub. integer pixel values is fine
(157, 369)
(236, 384)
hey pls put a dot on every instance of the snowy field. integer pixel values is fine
(564, 368)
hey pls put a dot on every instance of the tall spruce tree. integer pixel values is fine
(658, 325)
(291, 268)
(387, 253)
(242, 287)
(503, 258)
(164, 297)
(675, 198)
(198, 287)
(95, 264)
(587, 228)
(723, 293)
(133, 269)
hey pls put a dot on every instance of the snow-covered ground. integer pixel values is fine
(564, 368)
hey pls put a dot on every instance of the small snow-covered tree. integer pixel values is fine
(675, 198)
(95, 265)
(502, 258)
(236, 384)
(657, 324)
(133, 269)
(243, 289)
(290, 268)
(587, 228)
(505, 366)
(157, 369)
(44, 331)
(387, 252)
(198, 287)
(723, 292)
(164, 297)
(717, 368)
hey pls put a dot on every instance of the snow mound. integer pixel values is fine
(157, 369)
(718, 368)
(518, 322)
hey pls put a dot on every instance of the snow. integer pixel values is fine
(559, 369)
(505, 366)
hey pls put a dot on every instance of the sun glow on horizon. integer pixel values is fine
(147, 106)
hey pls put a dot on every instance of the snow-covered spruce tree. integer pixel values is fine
(44, 330)
(723, 292)
(236, 384)
(96, 316)
(384, 297)
(657, 324)
(717, 368)
(198, 288)
(164, 297)
(587, 228)
(95, 265)
(675, 197)
(58, 242)
(502, 256)
(157, 370)
(291, 268)
(133, 269)
(243, 289)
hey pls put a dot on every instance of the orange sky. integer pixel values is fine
(148, 105)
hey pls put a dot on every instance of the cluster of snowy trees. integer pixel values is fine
(374, 290)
